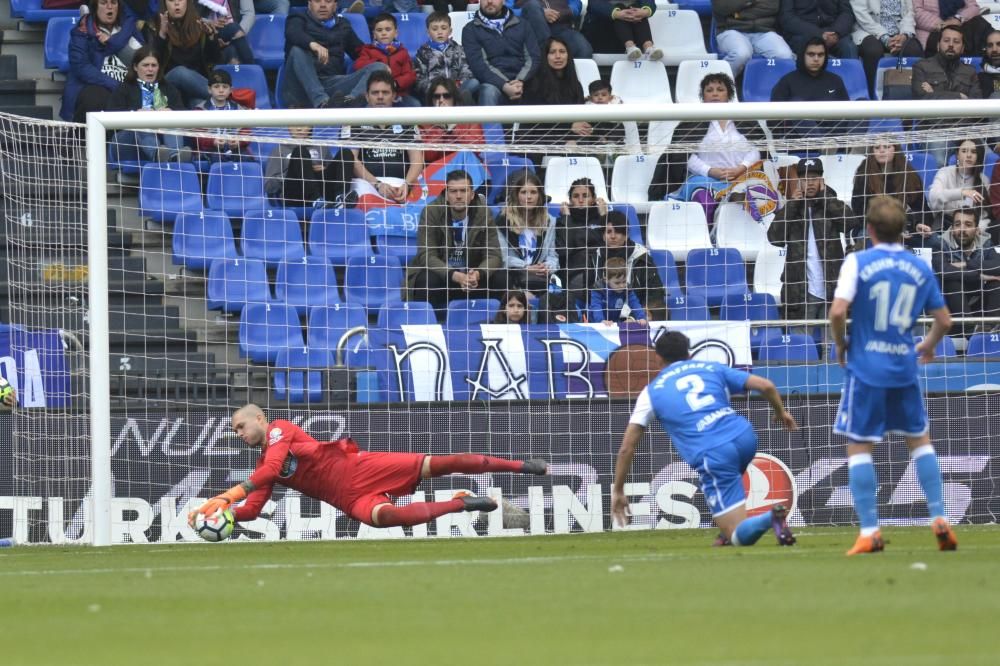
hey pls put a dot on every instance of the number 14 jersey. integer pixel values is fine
(888, 288)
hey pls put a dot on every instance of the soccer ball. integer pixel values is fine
(5, 389)
(217, 527)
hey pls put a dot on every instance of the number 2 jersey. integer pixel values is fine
(691, 401)
(888, 288)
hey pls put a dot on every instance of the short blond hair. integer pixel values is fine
(887, 218)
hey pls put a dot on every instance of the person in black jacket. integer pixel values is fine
(579, 232)
(830, 20)
(145, 89)
(315, 45)
(810, 82)
(502, 51)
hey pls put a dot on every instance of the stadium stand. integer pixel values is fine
(268, 328)
(57, 42)
(339, 235)
(760, 76)
(167, 190)
(274, 236)
(691, 72)
(641, 81)
(307, 283)
(234, 283)
(463, 314)
(678, 227)
(267, 40)
(785, 347)
(200, 238)
(715, 274)
(236, 187)
(373, 281)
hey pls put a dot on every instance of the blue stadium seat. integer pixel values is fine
(32, 12)
(266, 329)
(233, 283)
(788, 347)
(267, 40)
(634, 228)
(373, 281)
(274, 236)
(984, 344)
(715, 273)
(436, 173)
(297, 377)
(760, 76)
(236, 187)
(466, 313)
(407, 313)
(201, 238)
(250, 76)
(307, 283)
(682, 308)
(360, 25)
(412, 30)
(852, 72)
(339, 234)
(752, 307)
(402, 247)
(327, 325)
(167, 189)
(666, 266)
(944, 349)
(57, 42)
(926, 166)
(501, 166)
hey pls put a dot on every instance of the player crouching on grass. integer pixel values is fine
(359, 483)
(691, 400)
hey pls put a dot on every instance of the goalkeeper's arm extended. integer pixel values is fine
(223, 501)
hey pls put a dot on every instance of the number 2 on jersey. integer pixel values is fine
(901, 313)
(693, 387)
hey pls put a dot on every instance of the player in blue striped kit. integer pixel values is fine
(691, 400)
(886, 288)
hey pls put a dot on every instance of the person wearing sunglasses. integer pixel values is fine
(443, 92)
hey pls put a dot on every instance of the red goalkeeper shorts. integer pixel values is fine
(376, 476)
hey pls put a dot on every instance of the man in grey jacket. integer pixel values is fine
(945, 76)
(968, 264)
(457, 247)
(746, 28)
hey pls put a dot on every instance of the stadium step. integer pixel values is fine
(8, 68)
(28, 111)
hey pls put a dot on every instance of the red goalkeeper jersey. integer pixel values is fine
(294, 459)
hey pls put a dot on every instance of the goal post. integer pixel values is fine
(159, 442)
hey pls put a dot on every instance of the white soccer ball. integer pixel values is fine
(216, 527)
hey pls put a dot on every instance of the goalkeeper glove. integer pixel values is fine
(219, 502)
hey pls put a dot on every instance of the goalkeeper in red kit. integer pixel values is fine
(359, 483)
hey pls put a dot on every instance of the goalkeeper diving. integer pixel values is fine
(359, 483)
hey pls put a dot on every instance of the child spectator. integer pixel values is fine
(513, 308)
(387, 49)
(300, 175)
(225, 146)
(612, 301)
(442, 56)
(626, 133)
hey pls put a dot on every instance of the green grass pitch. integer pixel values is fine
(662, 597)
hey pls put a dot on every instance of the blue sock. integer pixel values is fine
(929, 474)
(863, 485)
(750, 530)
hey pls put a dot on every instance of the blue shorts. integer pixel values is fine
(867, 412)
(720, 470)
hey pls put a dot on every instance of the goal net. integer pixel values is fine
(468, 280)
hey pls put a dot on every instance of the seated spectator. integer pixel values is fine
(502, 52)
(189, 47)
(315, 45)
(384, 172)
(100, 52)
(945, 76)
(387, 49)
(809, 228)
(969, 268)
(745, 28)
(226, 145)
(931, 16)
(457, 247)
(555, 82)
(810, 82)
(830, 20)
(579, 233)
(513, 309)
(557, 18)
(615, 25)
(886, 172)
(231, 27)
(611, 301)
(641, 274)
(443, 57)
(725, 153)
(300, 175)
(989, 78)
(884, 27)
(962, 185)
(146, 89)
(444, 93)
(624, 134)
(526, 234)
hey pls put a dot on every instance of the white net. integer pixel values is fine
(355, 280)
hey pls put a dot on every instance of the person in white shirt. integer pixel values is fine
(961, 185)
